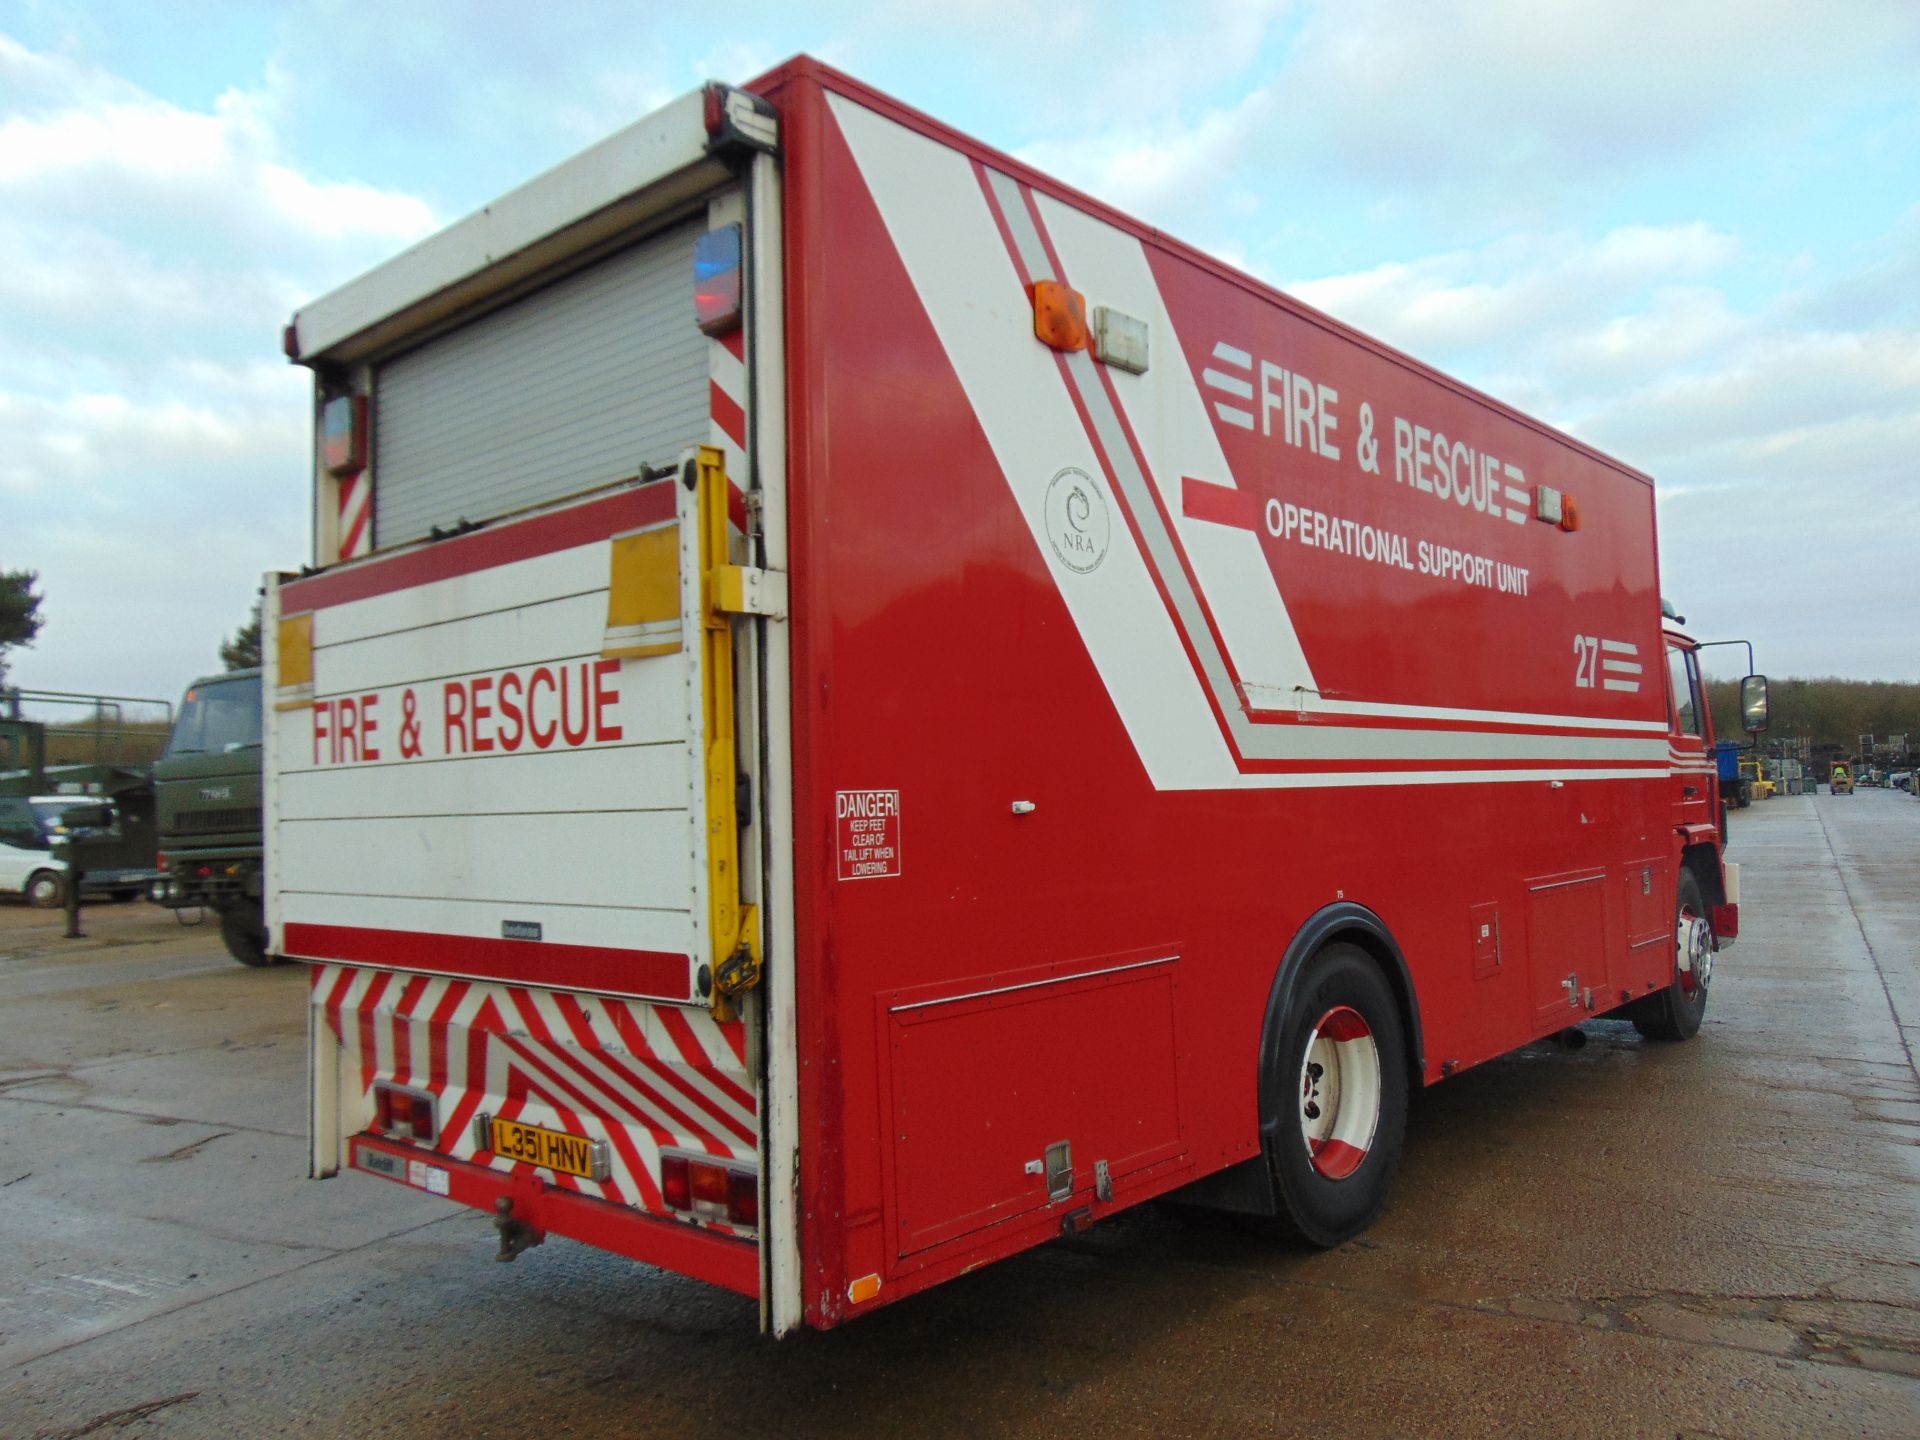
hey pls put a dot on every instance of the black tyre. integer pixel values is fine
(1336, 1093)
(1675, 1013)
(121, 897)
(245, 934)
(46, 890)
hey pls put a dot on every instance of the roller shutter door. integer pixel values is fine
(572, 387)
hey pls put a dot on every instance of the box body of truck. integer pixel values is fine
(827, 800)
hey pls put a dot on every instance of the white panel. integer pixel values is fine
(574, 386)
(641, 777)
(609, 926)
(540, 630)
(620, 857)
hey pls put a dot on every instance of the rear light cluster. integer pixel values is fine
(710, 1189)
(405, 1113)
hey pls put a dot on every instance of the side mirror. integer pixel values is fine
(1753, 704)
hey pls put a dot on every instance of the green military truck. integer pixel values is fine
(208, 785)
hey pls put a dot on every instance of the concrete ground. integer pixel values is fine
(1718, 1238)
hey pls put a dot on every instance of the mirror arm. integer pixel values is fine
(1710, 644)
(1753, 736)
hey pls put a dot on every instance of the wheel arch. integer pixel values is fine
(1704, 862)
(1357, 925)
(1247, 1187)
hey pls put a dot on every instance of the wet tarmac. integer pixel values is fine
(1720, 1238)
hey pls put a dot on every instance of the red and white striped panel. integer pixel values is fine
(727, 397)
(356, 516)
(642, 1077)
(727, 411)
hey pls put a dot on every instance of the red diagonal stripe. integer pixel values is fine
(439, 1034)
(571, 1122)
(577, 1020)
(475, 1089)
(403, 1029)
(1218, 504)
(695, 1054)
(643, 1054)
(336, 997)
(369, 1046)
(727, 414)
(681, 1123)
(538, 1066)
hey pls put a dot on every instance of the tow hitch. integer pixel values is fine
(515, 1235)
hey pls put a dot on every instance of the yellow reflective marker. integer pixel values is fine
(296, 663)
(643, 595)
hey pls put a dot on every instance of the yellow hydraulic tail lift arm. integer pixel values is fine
(726, 590)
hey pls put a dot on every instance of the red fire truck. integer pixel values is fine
(856, 710)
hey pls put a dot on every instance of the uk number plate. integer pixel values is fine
(536, 1145)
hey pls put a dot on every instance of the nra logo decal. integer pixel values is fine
(1077, 524)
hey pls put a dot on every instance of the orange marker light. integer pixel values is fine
(863, 1289)
(1059, 315)
(1569, 513)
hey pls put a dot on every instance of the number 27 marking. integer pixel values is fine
(1586, 661)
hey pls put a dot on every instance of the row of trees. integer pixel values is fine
(1832, 714)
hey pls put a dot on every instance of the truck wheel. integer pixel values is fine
(1338, 1093)
(1675, 1013)
(46, 890)
(245, 935)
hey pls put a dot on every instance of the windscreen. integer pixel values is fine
(52, 814)
(217, 717)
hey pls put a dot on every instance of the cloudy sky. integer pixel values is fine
(1687, 231)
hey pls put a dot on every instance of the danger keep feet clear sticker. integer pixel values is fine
(867, 833)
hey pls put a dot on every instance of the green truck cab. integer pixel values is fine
(208, 790)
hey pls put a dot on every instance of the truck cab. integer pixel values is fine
(209, 811)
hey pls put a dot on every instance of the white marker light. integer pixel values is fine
(1119, 340)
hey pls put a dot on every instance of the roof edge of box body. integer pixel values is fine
(650, 168)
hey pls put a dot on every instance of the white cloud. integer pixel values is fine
(1469, 114)
(156, 442)
(1522, 285)
(219, 167)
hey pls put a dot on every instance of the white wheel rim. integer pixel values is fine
(1339, 1093)
(1693, 942)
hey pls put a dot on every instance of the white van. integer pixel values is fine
(28, 865)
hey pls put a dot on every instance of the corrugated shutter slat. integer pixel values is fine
(576, 385)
